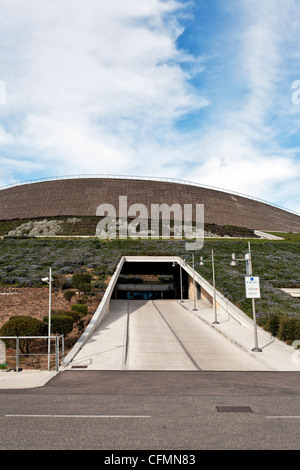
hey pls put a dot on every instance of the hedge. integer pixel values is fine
(82, 309)
(286, 328)
(271, 323)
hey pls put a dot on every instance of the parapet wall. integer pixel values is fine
(82, 196)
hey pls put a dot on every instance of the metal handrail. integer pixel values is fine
(56, 354)
(149, 178)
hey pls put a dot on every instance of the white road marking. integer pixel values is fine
(75, 416)
(283, 417)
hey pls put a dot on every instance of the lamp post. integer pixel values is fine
(49, 281)
(215, 322)
(194, 284)
(249, 272)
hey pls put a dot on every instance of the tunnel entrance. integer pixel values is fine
(151, 281)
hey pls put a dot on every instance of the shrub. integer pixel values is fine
(289, 329)
(82, 309)
(84, 299)
(76, 316)
(100, 284)
(23, 326)
(71, 313)
(60, 324)
(82, 282)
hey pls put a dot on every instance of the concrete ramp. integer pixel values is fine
(152, 344)
(160, 335)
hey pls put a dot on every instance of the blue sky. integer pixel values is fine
(194, 90)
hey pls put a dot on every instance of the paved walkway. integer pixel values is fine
(168, 335)
(275, 355)
(105, 350)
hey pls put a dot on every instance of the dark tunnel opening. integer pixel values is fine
(151, 281)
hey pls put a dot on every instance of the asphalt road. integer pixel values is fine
(154, 410)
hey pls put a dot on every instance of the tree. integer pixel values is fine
(60, 281)
(68, 295)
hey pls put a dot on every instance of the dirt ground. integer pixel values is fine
(35, 302)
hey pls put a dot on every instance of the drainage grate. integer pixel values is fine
(234, 409)
(79, 367)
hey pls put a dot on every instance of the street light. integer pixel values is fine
(49, 281)
(249, 272)
(214, 285)
(194, 284)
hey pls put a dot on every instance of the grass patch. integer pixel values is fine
(290, 237)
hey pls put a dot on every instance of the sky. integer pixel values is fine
(206, 91)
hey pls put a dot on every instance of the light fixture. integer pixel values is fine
(233, 260)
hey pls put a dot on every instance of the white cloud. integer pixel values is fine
(5, 137)
(99, 59)
(242, 150)
(86, 81)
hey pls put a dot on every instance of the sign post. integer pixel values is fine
(252, 287)
(253, 292)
